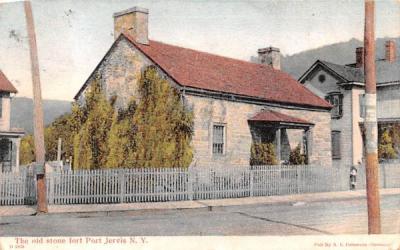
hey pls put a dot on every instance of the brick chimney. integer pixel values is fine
(133, 21)
(270, 56)
(359, 57)
(390, 51)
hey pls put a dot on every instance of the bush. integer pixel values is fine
(262, 154)
(385, 148)
(296, 157)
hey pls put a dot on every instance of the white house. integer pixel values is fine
(343, 86)
(9, 137)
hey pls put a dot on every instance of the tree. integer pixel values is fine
(385, 148)
(121, 140)
(27, 151)
(262, 154)
(164, 125)
(90, 143)
(296, 157)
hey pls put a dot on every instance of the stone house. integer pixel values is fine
(343, 86)
(9, 137)
(234, 102)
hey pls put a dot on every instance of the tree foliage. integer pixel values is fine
(385, 148)
(156, 131)
(90, 143)
(121, 139)
(164, 125)
(262, 154)
(296, 157)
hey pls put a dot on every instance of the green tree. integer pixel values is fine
(296, 157)
(164, 126)
(385, 148)
(262, 154)
(121, 140)
(27, 151)
(90, 143)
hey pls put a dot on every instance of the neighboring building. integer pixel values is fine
(234, 102)
(9, 138)
(343, 86)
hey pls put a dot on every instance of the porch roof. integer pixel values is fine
(12, 133)
(270, 116)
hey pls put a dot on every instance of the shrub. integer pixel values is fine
(262, 154)
(296, 157)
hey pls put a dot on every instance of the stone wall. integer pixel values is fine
(120, 72)
(234, 116)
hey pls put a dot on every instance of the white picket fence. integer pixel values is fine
(17, 189)
(175, 184)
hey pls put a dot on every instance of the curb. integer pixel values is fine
(196, 204)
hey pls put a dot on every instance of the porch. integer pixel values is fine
(283, 131)
(9, 150)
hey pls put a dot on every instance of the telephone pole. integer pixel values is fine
(37, 112)
(371, 126)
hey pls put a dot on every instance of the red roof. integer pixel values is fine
(202, 70)
(273, 116)
(6, 85)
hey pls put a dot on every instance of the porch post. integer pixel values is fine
(278, 145)
(17, 145)
(307, 132)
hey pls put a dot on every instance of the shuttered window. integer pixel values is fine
(336, 99)
(336, 145)
(218, 140)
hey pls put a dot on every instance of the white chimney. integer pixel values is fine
(270, 56)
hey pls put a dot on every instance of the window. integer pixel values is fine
(336, 99)
(335, 144)
(362, 105)
(321, 78)
(218, 140)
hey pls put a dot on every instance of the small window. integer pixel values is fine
(218, 140)
(321, 78)
(336, 145)
(362, 105)
(336, 99)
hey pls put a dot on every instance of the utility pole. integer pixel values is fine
(371, 126)
(37, 112)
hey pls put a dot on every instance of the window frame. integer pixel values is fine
(339, 142)
(339, 106)
(213, 142)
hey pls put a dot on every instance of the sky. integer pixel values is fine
(73, 35)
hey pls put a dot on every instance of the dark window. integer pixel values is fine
(321, 78)
(335, 144)
(362, 105)
(218, 140)
(336, 100)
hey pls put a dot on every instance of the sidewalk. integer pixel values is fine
(262, 200)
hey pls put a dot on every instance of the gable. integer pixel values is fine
(321, 81)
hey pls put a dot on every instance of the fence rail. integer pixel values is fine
(175, 184)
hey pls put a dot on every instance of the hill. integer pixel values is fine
(22, 112)
(340, 53)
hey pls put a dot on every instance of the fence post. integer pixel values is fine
(297, 177)
(383, 168)
(51, 188)
(121, 180)
(251, 183)
(190, 184)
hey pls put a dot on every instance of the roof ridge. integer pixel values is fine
(203, 52)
